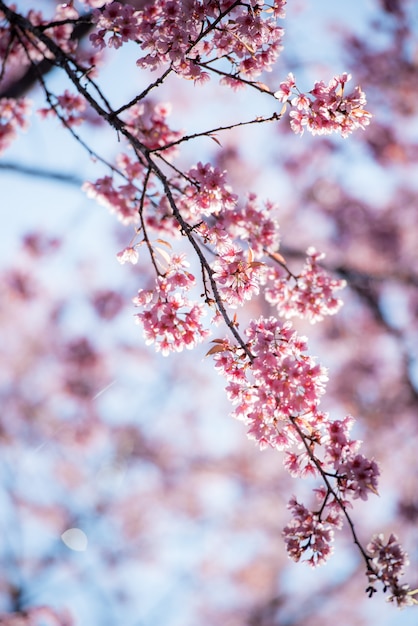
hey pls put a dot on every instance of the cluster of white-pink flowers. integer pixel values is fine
(238, 276)
(276, 387)
(69, 107)
(309, 535)
(172, 32)
(389, 561)
(279, 382)
(171, 321)
(13, 116)
(208, 192)
(147, 121)
(310, 295)
(326, 108)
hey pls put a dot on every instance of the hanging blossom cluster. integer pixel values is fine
(13, 116)
(310, 295)
(190, 35)
(147, 122)
(278, 382)
(273, 383)
(275, 387)
(325, 109)
(69, 107)
(389, 561)
(171, 321)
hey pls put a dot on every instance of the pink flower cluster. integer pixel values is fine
(325, 109)
(169, 319)
(207, 192)
(13, 116)
(68, 107)
(171, 33)
(147, 122)
(310, 533)
(389, 561)
(313, 295)
(356, 475)
(122, 200)
(121, 20)
(275, 387)
(306, 535)
(247, 222)
(237, 275)
(279, 383)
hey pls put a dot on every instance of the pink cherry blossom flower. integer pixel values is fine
(280, 383)
(312, 297)
(13, 116)
(128, 255)
(209, 194)
(170, 320)
(123, 200)
(389, 561)
(307, 536)
(237, 275)
(70, 107)
(286, 88)
(325, 109)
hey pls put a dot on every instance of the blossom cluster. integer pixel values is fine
(310, 533)
(325, 109)
(307, 535)
(275, 387)
(312, 297)
(238, 276)
(13, 116)
(357, 476)
(389, 561)
(246, 222)
(122, 200)
(185, 35)
(69, 107)
(147, 121)
(207, 193)
(170, 320)
(279, 383)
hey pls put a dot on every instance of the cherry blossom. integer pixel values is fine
(170, 33)
(237, 275)
(169, 318)
(390, 560)
(13, 116)
(279, 383)
(312, 297)
(209, 192)
(69, 107)
(307, 536)
(128, 255)
(325, 109)
(122, 200)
